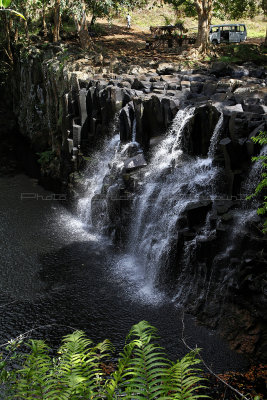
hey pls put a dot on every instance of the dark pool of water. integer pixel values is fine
(55, 276)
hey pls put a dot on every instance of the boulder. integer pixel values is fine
(219, 68)
(159, 86)
(209, 88)
(141, 84)
(253, 91)
(196, 87)
(167, 68)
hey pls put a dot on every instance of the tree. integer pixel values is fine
(104, 8)
(236, 9)
(99, 9)
(4, 8)
(57, 20)
(204, 11)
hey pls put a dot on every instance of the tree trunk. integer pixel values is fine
(265, 43)
(26, 29)
(16, 34)
(8, 39)
(203, 33)
(56, 21)
(43, 19)
(82, 30)
(92, 21)
(204, 10)
(24, 11)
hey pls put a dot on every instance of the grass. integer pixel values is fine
(236, 53)
(256, 27)
(143, 19)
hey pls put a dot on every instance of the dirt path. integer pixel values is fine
(130, 45)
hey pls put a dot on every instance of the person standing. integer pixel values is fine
(128, 20)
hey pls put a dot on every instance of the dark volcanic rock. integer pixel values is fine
(198, 133)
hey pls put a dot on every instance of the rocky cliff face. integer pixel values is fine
(65, 107)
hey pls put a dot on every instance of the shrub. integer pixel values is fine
(143, 371)
(261, 138)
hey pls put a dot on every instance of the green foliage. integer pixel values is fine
(261, 139)
(4, 4)
(184, 378)
(143, 370)
(167, 20)
(235, 9)
(241, 52)
(183, 7)
(45, 157)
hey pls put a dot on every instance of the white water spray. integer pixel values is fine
(173, 180)
(97, 170)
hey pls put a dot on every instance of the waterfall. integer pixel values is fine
(215, 137)
(248, 210)
(172, 182)
(97, 170)
(134, 130)
(254, 176)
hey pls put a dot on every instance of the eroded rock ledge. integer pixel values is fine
(65, 106)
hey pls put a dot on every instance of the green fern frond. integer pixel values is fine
(146, 376)
(143, 371)
(185, 378)
(114, 385)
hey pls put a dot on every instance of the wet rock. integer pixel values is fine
(131, 150)
(196, 212)
(126, 122)
(253, 105)
(169, 109)
(198, 133)
(135, 162)
(206, 248)
(227, 217)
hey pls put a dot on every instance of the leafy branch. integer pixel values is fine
(261, 139)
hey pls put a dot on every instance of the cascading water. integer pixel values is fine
(134, 131)
(97, 170)
(247, 212)
(172, 181)
(215, 137)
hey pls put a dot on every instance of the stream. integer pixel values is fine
(58, 275)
